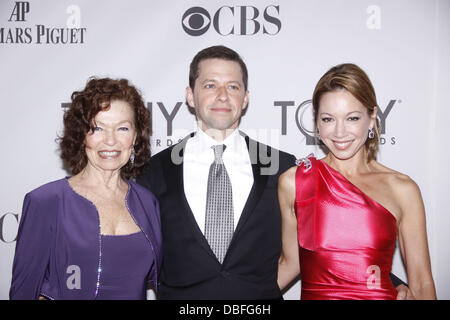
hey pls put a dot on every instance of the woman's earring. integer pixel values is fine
(318, 134)
(132, 155)
(371, 133)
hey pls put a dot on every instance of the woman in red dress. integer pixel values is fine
(341, 215)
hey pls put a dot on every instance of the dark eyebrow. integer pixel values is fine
(208, 80)
(228, 82)
(354, 112)
(118, 123)
(349, 113)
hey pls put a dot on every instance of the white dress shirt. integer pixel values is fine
(198, 157)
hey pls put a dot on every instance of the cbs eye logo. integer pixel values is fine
(239, 20)
(196, 21)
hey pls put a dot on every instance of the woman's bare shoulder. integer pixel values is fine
(286, 181)
(289, 172)
(400, 184)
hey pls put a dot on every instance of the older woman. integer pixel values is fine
(342, 214)
(95, 235)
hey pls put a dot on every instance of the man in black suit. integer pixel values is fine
(179, 177)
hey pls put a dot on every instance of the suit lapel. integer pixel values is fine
(259, 184)
(174, 178)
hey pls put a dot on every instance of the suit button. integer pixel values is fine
(225, 274)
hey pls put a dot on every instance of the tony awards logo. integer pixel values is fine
(304, 119)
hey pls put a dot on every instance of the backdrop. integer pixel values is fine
(48, 49)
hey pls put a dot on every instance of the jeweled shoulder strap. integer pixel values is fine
(305, 182)
(305, 196)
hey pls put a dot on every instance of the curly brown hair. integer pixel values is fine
(79, 121)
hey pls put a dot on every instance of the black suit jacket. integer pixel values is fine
(190, 269)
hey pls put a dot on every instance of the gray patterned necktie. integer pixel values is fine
(219, 225)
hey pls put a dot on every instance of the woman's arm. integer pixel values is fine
(413, 239)
(34, 240)
(288, 264)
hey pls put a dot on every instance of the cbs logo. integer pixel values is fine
(238, 20)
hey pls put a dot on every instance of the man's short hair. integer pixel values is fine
(216, 52)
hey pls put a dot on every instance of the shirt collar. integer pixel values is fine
(204, 142)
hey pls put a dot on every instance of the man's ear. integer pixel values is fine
(190, 97)
(246, 97)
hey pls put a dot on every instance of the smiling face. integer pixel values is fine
(108, 146)
(343, 123)
(219, 95)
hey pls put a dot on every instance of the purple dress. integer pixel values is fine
(59, 246)
(120, 279)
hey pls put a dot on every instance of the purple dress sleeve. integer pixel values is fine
(156, 232)
(33, 247)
